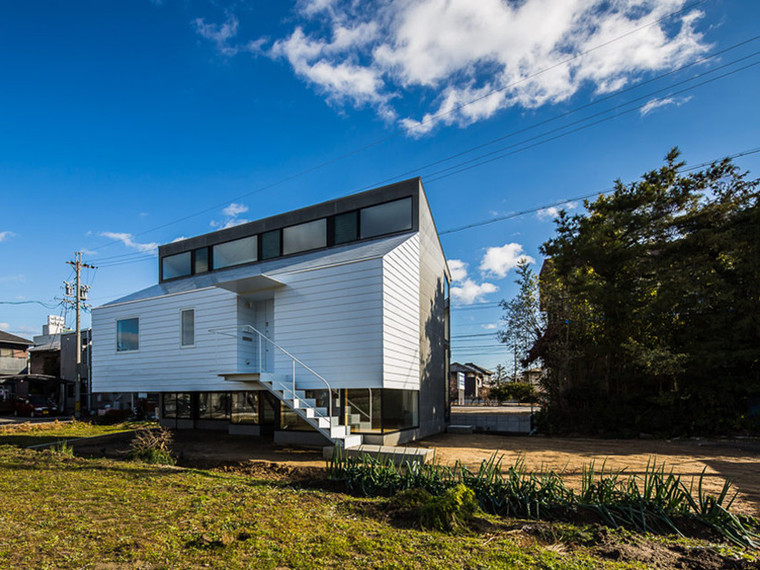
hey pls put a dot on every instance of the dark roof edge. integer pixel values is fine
(329, 207)
(14, 339)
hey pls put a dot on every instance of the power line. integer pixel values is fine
(44, 304)
(583, 197)
(617, 113)
(468, 164)
(577, 109)
(423, 122)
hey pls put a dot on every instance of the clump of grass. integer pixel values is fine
(659, 502)
(63, 448)
(152, 446)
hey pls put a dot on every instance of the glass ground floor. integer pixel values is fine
(367, 410)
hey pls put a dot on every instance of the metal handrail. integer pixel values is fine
(357, 408)
(219, 330)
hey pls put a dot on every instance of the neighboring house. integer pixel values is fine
(477, 381)
(14, 353)
(45, 357)
(350, 295)
(532, 376)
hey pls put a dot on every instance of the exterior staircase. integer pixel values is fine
(284, 387)
(281, 386)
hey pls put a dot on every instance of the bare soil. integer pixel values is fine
(736, 460)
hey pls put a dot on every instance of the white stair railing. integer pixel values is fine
(262, 338)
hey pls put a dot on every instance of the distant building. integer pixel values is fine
(476, 382)
(45, 356)
(14, 353)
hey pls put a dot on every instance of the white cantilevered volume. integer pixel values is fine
(285, 386)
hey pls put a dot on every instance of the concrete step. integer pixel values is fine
(399, 455)
(351, 442)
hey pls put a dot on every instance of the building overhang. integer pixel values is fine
(253, 284)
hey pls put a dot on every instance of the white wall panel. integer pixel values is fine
(160, 364)
(331, 319)
(401, 316)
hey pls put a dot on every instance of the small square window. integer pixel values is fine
(127, 335)
(173, 266)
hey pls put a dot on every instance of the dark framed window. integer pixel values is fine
(245, 408)
(386, 218)
(235, 252)
(201, 263)
(177, 405)
(128, 334)
(363, 410)
(173, 266)
(271, 243)
(304, 237)
(214, 406)
(187, 327)
(400, 409)
(346, 227)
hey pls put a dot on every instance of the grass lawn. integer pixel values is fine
(60, 511)
(26, 434)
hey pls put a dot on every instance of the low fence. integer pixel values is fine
(501, 419)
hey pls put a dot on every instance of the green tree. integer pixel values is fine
(653, 305)
(523, 319)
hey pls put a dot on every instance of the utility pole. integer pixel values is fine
(76, 294)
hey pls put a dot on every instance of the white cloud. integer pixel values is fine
(231, 215)
(465, 60)
(180, 238)
(234, 210)
(469, 292)
(657, 103)
(458, 269)
(5, 326)
(219, 34)
(552, 212)
(5, 235)
(128, 240)
(466, 291)
(490, 326)
(498, 261)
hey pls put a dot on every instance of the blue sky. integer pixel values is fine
(126, 125)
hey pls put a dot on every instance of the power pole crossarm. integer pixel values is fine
(76, 298)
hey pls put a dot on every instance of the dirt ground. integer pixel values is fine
(738, 461)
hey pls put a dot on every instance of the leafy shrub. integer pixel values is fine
(152, 445)
(451, 511)
(521, 391)
(656, 501)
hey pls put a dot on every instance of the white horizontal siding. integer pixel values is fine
(160, 364)
(401, 316)
(330, 318)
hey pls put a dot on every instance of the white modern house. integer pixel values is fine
(328, 324)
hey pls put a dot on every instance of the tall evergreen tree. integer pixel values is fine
(652, 300)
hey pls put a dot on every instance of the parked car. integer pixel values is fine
(35, 405)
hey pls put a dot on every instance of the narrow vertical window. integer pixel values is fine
(188, 327)
(201, 260)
